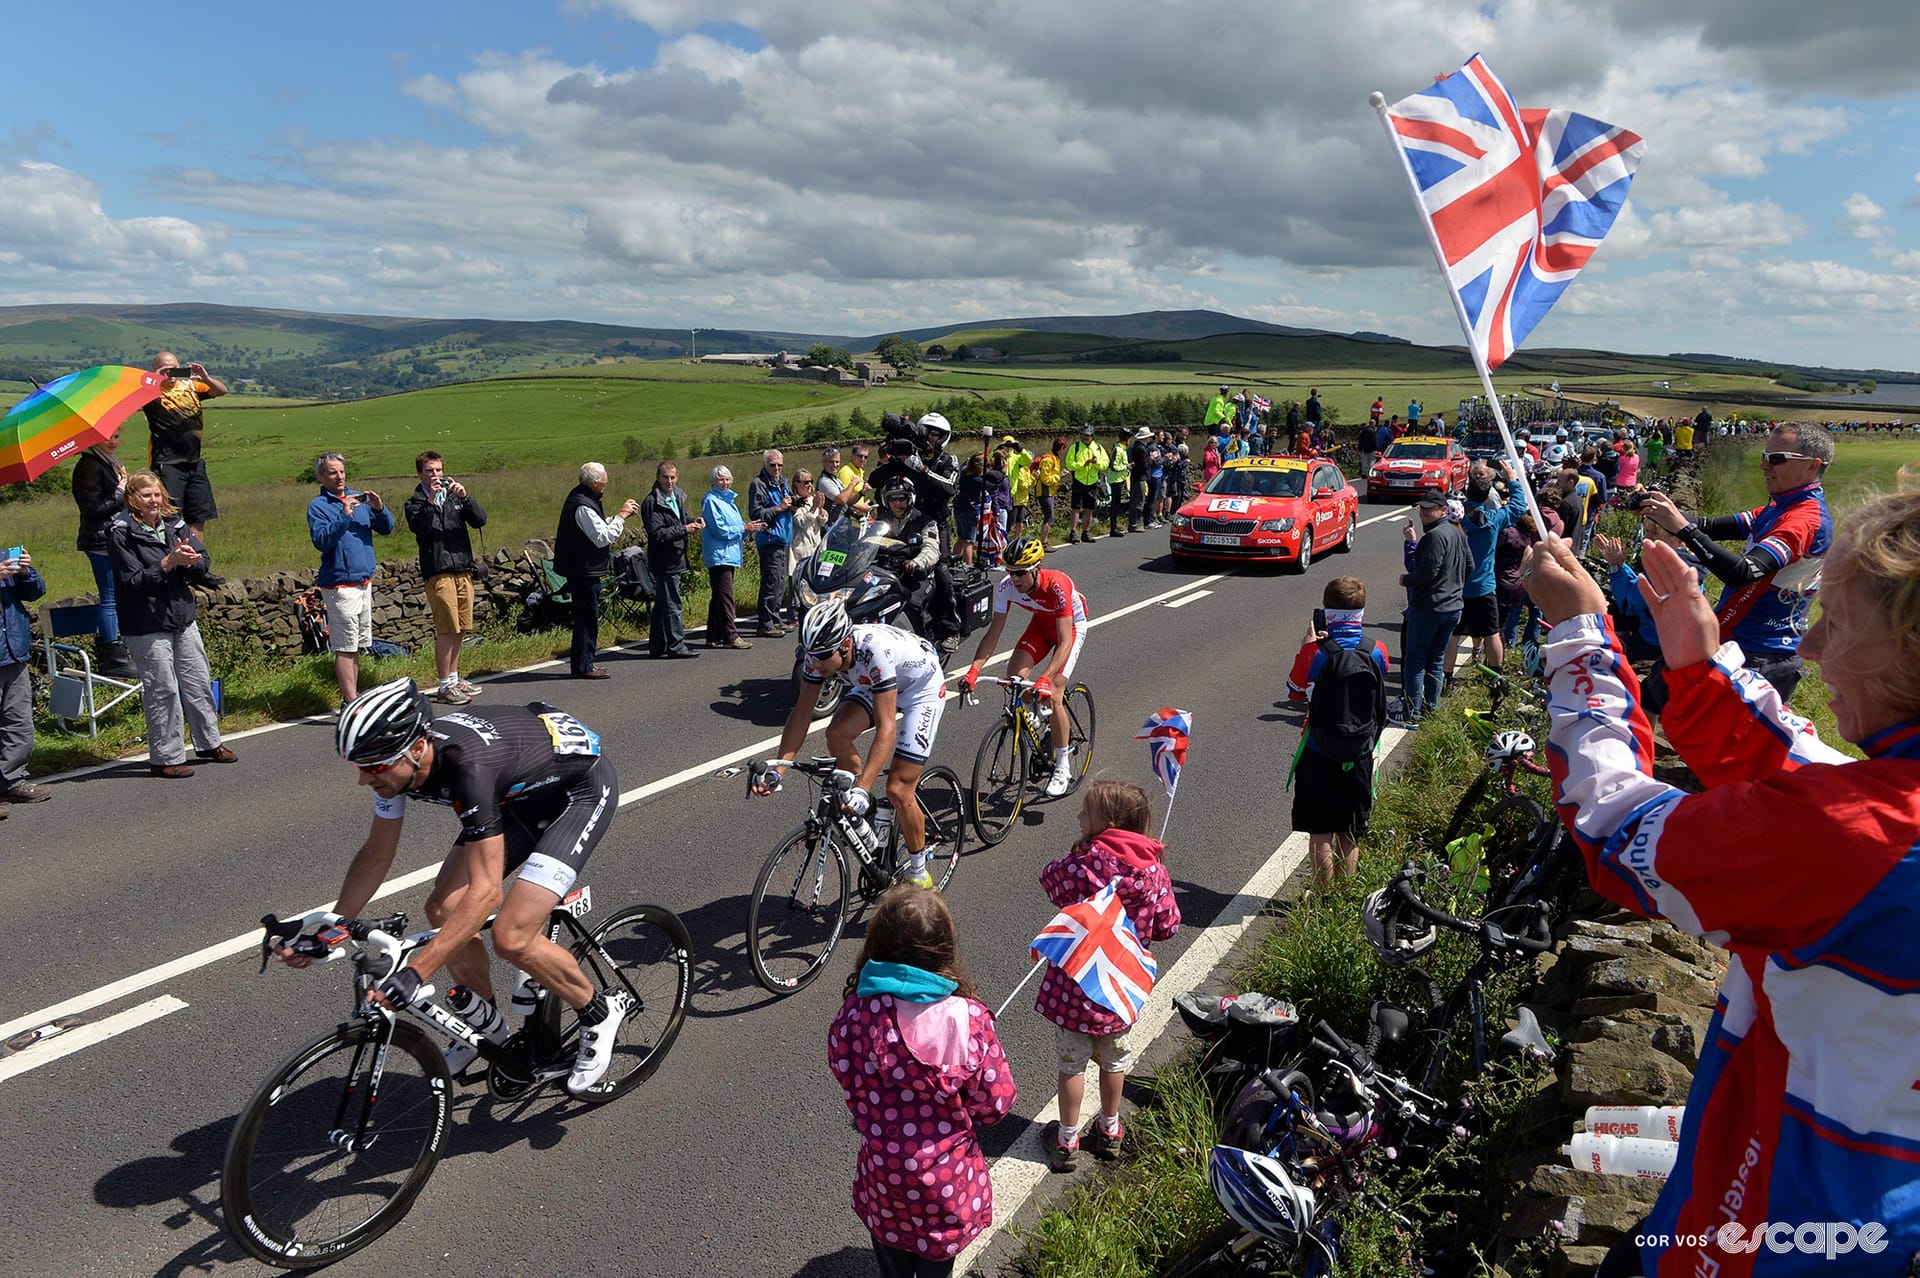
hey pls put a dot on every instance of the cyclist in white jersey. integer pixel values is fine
(889, 672)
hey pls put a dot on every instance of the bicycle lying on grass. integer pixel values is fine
(335, 1146)
(800, 899)
(1017, 754)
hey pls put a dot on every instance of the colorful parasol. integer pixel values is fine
(69, 414)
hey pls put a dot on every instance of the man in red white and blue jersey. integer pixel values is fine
(1771, 583)
(1804, 865)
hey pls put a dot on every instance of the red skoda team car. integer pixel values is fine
(1415, 465)
(1284, 509)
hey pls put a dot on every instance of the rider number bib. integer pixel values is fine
(569, 735)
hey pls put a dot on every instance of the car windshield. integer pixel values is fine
(1404, 451)
(1255, 482)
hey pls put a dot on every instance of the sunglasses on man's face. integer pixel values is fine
(1781, 459)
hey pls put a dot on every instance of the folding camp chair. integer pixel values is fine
(549, 604)
(627, 591)
(77, 688)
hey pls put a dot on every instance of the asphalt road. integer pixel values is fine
(735, 1159)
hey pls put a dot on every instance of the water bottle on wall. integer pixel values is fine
(1622, 1155)
(1648, 1122)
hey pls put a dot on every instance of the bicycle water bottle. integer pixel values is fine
(882, 824)
(1622, 1155)
(860, 832)
(1648, 1122)
(526, 997)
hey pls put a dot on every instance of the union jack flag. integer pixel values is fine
(1095, 945)
(1517, 200)
(1166, 737)
(1259, 405)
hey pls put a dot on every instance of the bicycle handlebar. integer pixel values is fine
(821, 768)
(375, 935)
(1537, 939)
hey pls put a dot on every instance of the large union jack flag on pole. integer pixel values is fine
(1166, 736)
(1515, 201)
(1095, 945)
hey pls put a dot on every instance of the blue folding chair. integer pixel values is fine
(78, 689)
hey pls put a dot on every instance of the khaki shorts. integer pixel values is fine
(349, 617)
(1075, 1049)
(450, 599)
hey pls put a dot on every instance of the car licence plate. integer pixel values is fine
(1218, 539)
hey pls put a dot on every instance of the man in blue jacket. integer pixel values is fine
(1487, 516)
(342, 521)
(19, 585)
(770, 501)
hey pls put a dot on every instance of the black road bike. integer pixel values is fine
(335, 1146)
(800, 899)
(1016, 756)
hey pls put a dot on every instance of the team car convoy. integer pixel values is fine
(1280, 509)
(1416, 465)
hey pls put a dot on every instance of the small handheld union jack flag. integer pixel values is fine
(1095, 945)
(1166, 737)
(1516, 201)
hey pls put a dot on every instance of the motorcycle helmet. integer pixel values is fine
(1508, 747)
(1257, 1192)
(896, 487)
(1395, 937)
(937, 429)
(825, 627)
(381, 723)
(1023, 553)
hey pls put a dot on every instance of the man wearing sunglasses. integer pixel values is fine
(533, 794)
(1771, 582)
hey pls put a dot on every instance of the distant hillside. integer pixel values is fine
(1141, 326)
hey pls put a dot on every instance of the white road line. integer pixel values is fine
(1195, 597)
(1023, 1168)
(87, 1035)
(250, 940)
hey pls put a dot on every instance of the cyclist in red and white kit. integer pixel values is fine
(1056, 630)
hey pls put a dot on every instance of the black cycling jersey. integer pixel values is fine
(487, 760)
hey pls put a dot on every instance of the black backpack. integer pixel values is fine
(1349, 703)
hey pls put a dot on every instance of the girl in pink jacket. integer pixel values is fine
(1114, 845)
(915, 1052)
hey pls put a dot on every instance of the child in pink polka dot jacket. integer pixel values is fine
(915, 1052)
(1114, 845)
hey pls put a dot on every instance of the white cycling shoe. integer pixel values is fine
(596, 1046)
(1062, 779)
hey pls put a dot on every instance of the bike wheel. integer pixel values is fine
(326, 1157)
(799, 908)
(1078, 704)
(1227, 1249)
(1474, 803)
(645, 952)
(943, 806)
(999, 782)
(1516, 822)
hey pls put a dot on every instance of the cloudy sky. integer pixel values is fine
(865, 165)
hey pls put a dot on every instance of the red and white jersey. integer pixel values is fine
(1054, 595)
(1805, 866)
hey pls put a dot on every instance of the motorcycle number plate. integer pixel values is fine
(832, 558)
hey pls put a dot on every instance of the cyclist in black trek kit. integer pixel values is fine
(533, 793)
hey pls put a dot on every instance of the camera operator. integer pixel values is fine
(917, 452)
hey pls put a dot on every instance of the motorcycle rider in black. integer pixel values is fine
(919, 552)
(918, 453)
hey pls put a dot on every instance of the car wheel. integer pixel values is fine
(1305, 560)
(1353, 526)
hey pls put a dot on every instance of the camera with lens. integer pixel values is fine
(1635, 500)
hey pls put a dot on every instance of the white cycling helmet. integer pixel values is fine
(382, 723)
(938, 429)
(1395, 937)
(825, 627)
(1257, 1192)
(1509, 747)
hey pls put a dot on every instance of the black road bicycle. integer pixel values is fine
(800, 899)
(335, 1146)
(1017, 754)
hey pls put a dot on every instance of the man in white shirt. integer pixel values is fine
(582, 553)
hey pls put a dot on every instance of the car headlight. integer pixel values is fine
(1181, 521)
(1277, 525)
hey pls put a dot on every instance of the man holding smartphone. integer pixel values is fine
(20, 584)
(771, 501)
(175, 425)
(439, 513)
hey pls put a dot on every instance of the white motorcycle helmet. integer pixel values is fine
(939, 430)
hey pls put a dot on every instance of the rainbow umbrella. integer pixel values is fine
(68, 414)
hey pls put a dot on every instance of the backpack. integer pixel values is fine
(1348, 705)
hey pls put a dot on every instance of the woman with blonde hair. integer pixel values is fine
(154, 555)
(1801, 862)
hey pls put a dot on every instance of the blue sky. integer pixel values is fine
(880, 165)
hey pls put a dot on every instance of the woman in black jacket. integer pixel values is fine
(99, 485)
(153, 553)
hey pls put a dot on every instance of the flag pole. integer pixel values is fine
(1037, 965)
(1378, 101)
(1168, 816)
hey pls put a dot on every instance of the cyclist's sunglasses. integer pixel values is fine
(1022, 572)
(1781, 459)
(387, 765)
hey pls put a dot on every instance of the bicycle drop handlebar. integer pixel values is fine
(825, 770)
(376, 935)
(1537, 939)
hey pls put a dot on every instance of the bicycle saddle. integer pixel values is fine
(1392, 1022)
(1526, 1036)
